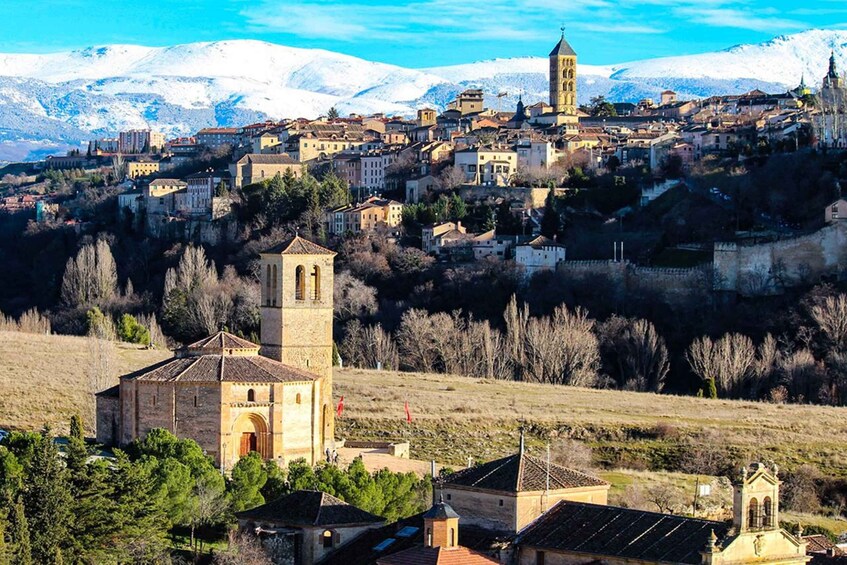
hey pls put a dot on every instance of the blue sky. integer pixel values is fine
(423, 33)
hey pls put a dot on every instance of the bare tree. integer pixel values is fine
(91, 277)
(562, 349)
(728, 361)
(416, 340)
(210, 506)
(635, 353)
(353, 298)
(451, 177)
(572, 454)
(831, 318)
(664, 496)
(244, 549)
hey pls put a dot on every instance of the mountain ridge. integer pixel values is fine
(66, 97)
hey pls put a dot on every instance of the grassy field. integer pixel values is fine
(46, 379)
(455, 418)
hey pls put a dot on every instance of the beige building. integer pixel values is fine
(468, 102)
(136, 169)
(579, 532)
(227, 397)
(563, 74)
(507, 494)
(253, 168)
(368, 216)
(486, 165)
(433, 234)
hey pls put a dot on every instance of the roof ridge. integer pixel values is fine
(185, 370)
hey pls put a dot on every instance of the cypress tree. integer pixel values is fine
(5, 558)
(711, 389)
(550, 221)
(20, 549)
(77, 451)
(47, 501)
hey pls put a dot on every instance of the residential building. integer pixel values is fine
(136, 169)
(467, 102)
(489, 244)
(372, 214)
(486, 165)
(315, 524)
(214, 138)
(667, 98)
(539, 254)
(106, 145)
(140, 141)
(836, 212)
(418, 186)
(433, 234)
(200, 193)
(536, 154)
(253, 168)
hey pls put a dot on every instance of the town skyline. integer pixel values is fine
(446, 33)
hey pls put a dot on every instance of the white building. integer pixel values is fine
(536, 154)
(540, 254)
(487, 166)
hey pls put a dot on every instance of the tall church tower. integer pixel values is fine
(832, 78)
(297, 307)
(563, 78)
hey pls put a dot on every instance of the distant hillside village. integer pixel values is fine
(397, 168)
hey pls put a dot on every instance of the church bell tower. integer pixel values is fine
(563, 78)
(297, 308)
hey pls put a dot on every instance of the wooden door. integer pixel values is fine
(248, 443)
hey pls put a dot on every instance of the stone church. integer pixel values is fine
(232, 396)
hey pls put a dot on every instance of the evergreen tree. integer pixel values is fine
(550, 226)
(139, 517)
(248, 478)
(332, 114)
(711, 389)
(19, 546)
(77, 451)
(47, 501)
(276, 485)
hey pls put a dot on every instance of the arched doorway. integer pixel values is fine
(250, 432)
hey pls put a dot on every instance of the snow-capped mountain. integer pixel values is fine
(63, 98)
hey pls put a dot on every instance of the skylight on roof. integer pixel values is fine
(384, 544)
(407, 532)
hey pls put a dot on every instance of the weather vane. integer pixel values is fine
(563, 29)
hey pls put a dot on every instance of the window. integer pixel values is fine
(327, 539)
(539, 558)
(300, 283)
(767, 506)
(452, 537)
(297, 399)
(501, 502)
(251, 395)
(429, 537)
(273, 292)
(449, 496)
(195, 401)
(268, 286)
(754, 519)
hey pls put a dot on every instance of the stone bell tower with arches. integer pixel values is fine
(297, 309)
(756, 499)
(563, 75)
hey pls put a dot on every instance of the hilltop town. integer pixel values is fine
(233, 335)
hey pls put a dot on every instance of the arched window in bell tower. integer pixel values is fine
(767, 508)
(300, 283)
(274, 286)
(754, 518)
(316, 283)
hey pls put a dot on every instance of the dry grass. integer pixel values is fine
(456, 418)
(46, 379)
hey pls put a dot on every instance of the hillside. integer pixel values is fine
(455, 418)
(46, 379)
(66, 97)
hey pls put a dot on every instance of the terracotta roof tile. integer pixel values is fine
(437, 556)
(298, 246)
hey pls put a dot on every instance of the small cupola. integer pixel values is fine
(441, 526)
(755, 503)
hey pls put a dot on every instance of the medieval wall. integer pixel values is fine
(196, 413)
(194, 230)
(771, 267)
(108, 419)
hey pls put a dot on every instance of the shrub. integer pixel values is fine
(131, 331)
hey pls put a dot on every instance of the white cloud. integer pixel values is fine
(753, 20)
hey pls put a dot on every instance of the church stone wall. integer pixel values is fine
(108, 419)
(197, 415)
(482, 509)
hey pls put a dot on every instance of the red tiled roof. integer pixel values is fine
(437, 556)
(298, 246)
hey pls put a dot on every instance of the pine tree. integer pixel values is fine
(711, 388)
(5, 557)
(47, 501)
(248, 478)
